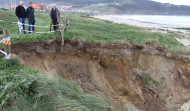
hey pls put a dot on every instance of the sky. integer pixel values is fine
(176, 2)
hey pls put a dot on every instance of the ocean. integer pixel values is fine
(171, 21)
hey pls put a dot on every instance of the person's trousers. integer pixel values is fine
(22, 20)
(29, 27)
(55, 25)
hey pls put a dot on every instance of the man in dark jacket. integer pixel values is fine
(55, 17)
(31, 17)
(21, 14)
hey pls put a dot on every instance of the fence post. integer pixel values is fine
(7, 48)
(62, 35)
(67, 23)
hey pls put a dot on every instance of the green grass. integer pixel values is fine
(24, 89)
(148, 79)
(34, 37)
(95, 30)
(11, 17)
(156, 83)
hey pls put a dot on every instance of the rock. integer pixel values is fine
(185, 107)
(130, 107)
(168, 54)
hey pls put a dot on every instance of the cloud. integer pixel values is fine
(176, 2)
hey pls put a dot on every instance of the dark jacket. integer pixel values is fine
(30, 15)
(54, 14)
(20, 12)
(57, 15)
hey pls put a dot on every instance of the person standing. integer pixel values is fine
(31, 17)
(21, 14)
(55, 17)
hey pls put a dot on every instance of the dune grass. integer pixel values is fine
(24, 89)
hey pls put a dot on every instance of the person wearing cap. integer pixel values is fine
(31, 17)
(21, 14)
(55, 17)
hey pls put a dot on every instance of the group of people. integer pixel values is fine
(29, 13)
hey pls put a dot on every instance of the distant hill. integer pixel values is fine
(150, 7)
(124, 7)
(74, 2)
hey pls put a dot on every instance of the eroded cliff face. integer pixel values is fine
(132, 77)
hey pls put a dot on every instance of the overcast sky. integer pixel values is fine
(176, 2)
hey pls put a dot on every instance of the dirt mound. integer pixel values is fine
(132, 76)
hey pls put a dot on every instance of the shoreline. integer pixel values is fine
(132, 22)
(154, 27)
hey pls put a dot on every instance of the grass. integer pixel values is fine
(148, 79)
(24, 89)
(34, 37)
(95, 30)
(10, 17)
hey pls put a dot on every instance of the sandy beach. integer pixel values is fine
(154, 27)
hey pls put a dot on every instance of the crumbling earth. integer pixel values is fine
(133, 77)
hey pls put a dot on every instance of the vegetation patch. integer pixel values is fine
(18, 38)
(24, 89)
(183, 28)
(148, 79)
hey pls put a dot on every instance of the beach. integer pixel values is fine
(164, 24)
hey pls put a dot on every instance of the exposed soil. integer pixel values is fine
(116, 70)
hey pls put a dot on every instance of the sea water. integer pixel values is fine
(173, 21)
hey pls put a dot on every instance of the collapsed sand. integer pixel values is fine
(117, 71)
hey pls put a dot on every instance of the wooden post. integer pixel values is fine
(1, 54)
(63, 29)
(62, 35)
(67, 23)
